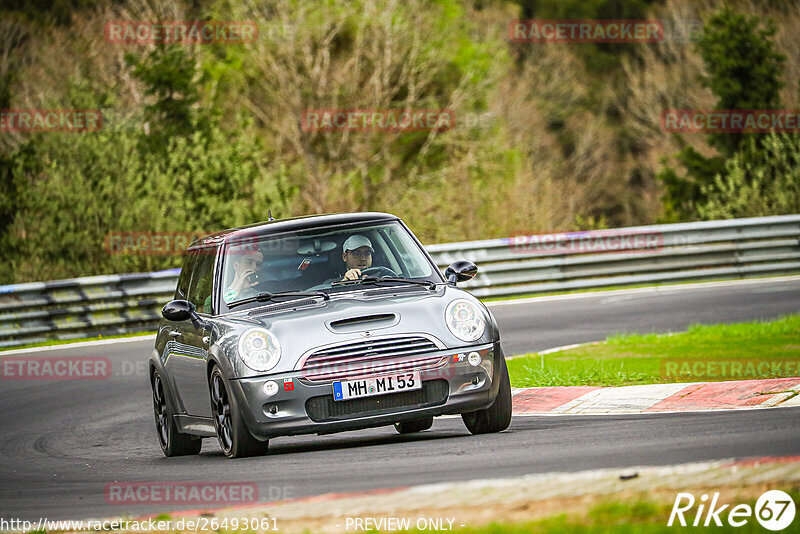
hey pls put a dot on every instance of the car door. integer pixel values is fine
(188, 358)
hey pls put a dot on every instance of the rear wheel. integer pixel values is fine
(496, 417)
(172, 442)
(417, 425)
(234, 438)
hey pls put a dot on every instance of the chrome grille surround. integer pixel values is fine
(372, 355)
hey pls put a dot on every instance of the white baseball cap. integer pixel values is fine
(357, 241)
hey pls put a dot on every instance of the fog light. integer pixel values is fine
(270, 388)
(474, 359)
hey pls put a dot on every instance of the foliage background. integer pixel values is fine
(549, 137)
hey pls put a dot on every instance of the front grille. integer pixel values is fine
(324, 409)
(371, 356)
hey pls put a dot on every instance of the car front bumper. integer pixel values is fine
(304, 407)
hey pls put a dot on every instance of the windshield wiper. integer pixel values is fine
(267, 296)
(377, 280)
(426, 283)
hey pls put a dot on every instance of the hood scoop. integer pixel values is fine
(363, 322)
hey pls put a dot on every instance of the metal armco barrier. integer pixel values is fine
(520, 265)
(81, 307)
(736, 248)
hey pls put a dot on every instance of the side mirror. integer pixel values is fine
(460, 271)
(182, 310)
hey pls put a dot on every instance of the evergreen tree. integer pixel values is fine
(744, 72)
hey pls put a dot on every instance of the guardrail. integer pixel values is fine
(734, 248)
(519, 265)
(80, 307)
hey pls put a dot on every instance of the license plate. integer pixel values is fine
(377, 385)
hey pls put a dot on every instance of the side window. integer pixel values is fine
(182, 290)
(202, 280)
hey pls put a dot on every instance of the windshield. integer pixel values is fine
(319, 260)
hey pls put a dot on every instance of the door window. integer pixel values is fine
(200, 288)
(182, 290)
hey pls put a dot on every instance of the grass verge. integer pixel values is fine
(741, 351)
(52, 342)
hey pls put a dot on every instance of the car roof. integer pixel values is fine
(292, 224)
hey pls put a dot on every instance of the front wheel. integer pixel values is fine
(417, 425)
(234, 438)
(496, 417)
(172, 442)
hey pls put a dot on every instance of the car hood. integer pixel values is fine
(348, 317)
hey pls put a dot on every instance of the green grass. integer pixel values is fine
(662, 358)
(51, 342)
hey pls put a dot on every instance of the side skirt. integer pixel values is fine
(197, 426)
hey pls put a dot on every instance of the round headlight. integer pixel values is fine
(259, 349)
(465, 320)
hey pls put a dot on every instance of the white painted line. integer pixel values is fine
(554, 349)
(564, 347)
(651, 289)
(793, 400)
(710, 410)
(95, 343)
(777, 399)
(625, 399)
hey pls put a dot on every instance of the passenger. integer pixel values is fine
(246, 267)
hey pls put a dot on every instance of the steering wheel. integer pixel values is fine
(378, 271)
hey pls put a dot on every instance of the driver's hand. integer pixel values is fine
(244, 281)
(352, 274)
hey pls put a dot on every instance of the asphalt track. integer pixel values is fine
(63, 441)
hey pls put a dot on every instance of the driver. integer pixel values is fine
(357, 255)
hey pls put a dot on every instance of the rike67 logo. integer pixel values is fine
(774, 510)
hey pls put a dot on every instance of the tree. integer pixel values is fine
(13, 38)
(744, 68)
(171, 79)
(759, 180)
(600, 58)
(744, 72)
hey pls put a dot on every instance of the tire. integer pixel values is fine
(234, 438)
(417, 425)
(496, 417)
(172, 442)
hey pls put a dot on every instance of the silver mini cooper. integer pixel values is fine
(319, 325)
